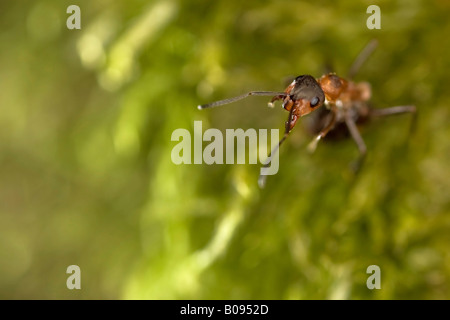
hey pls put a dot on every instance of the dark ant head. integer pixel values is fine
(306, 87)
(306, 94)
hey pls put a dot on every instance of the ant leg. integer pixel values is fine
(313, 144)
(292, 119)
(397, 110)
(354, 132)
(393, 110)
(362, 57)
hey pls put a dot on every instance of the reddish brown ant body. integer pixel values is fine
(345, 100)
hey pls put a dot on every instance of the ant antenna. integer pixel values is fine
(362, 57)
(230, 100)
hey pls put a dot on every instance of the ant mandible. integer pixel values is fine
(346, 101)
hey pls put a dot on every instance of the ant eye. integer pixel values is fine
(314, 101)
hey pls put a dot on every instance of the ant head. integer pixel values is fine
(306, 93)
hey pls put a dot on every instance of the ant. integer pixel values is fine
(346, 102)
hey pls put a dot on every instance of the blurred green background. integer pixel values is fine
(86, 118)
